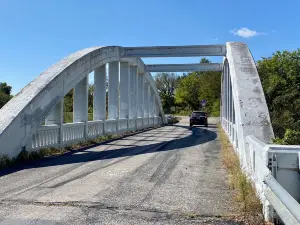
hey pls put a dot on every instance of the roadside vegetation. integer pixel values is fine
(280, 77)
(245, 194)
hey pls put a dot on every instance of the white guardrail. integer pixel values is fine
(53, 136)
(275, 172)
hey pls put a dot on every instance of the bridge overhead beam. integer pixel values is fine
(184, 67)
(174, 51)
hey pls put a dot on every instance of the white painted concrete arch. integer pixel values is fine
(21, 116)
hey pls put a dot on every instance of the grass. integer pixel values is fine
(245, 193)
(25, 156)
(68, 117)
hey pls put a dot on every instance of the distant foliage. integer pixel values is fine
(5, 93)
(280, 77)
(197, 86)
(166, 84)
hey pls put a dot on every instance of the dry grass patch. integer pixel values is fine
(245, 194)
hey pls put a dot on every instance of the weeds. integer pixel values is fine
(245, 193)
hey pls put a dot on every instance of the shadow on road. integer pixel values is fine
(196, 136)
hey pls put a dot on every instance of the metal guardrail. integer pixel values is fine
(287, 208)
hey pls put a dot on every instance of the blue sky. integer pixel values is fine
(34, 34)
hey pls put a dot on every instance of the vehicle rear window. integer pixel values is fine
(199, 114)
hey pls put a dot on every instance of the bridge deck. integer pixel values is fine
(140, 179)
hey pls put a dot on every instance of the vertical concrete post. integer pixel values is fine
(140, 95)
(133, 93)
(113, 90)
(155, 108)
(99, 100)
(230, 106)
(236, 128)
(224, 97)
(221, 98)
(227, 99)
(151, 106)
(80, 104)
(231, 111)
(124, 90)
(146, 99)
(56, 116)
(151, 103)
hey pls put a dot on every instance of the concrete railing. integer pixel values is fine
(55, 136)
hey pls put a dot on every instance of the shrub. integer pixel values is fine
(291, 137)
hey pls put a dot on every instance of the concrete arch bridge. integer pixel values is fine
(33, 119)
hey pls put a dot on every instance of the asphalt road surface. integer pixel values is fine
(169, 175)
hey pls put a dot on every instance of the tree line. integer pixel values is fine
(185, 92)
(280, 78)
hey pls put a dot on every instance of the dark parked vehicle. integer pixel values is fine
(198, 118)
(171, 119)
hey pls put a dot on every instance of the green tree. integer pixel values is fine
(187, 93)
(4, 88)
(166, 84)
(197, 86)
(280, 77)
(5, 93)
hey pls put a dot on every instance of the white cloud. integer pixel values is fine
(215, 39)
(246, 32)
